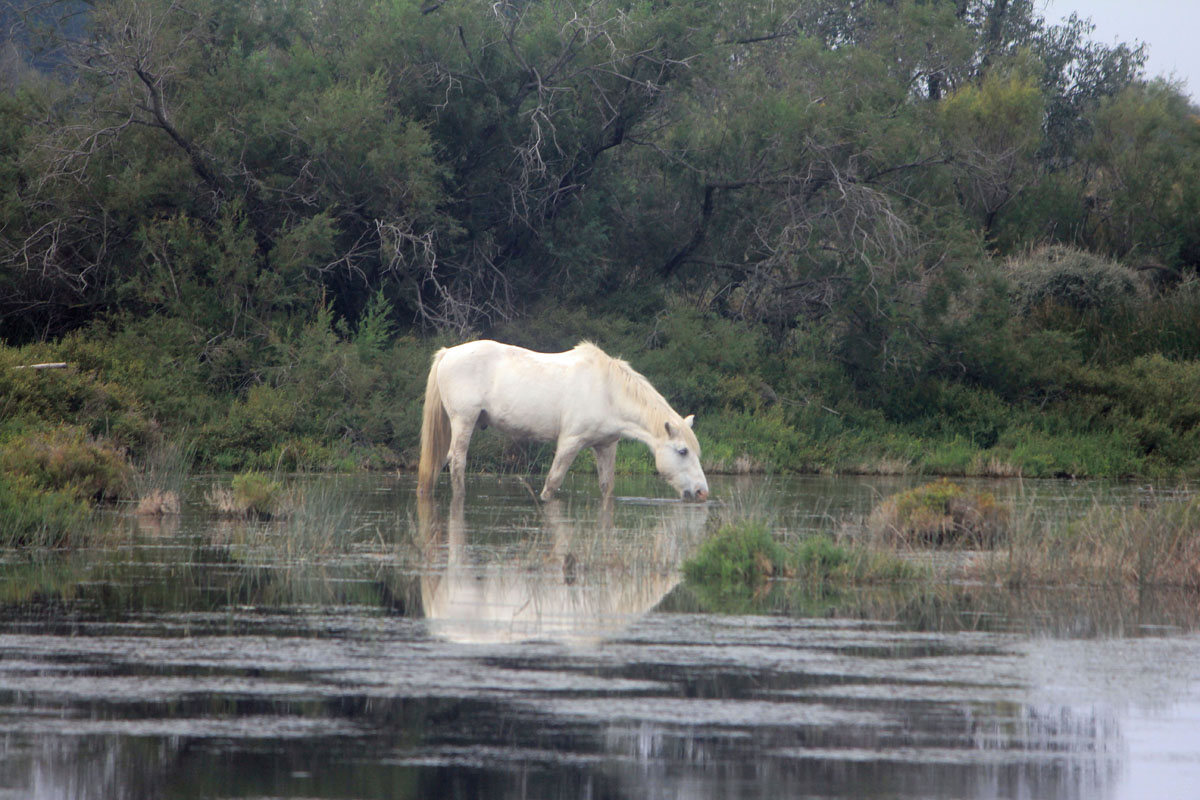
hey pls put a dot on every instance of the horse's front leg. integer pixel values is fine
(568, 448)
(606, 466)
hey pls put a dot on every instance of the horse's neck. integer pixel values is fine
(642, 413)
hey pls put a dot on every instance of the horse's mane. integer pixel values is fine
(626, 382)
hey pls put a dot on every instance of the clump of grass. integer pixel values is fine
(158, 503)
(740, 554)
(160, 477)
(823, 559)
(250, 495)
(941, 513)
(318, 521)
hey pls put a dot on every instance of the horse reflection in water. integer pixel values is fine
(576, 588)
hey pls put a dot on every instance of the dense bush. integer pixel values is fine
(1057, 277)
(33, 516)
(67, 459)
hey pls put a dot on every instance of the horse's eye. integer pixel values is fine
(682, 451)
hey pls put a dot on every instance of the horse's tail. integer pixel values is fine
(435, 432)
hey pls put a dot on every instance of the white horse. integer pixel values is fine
(580, 398)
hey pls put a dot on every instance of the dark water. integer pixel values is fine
(370, 648)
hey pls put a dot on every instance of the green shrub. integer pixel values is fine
(77, 396)
(821, 559)
(741, 554)
(257, 493)
(821, 556)
(32, 516)
(67, 459)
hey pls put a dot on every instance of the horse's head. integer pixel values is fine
(677, 456)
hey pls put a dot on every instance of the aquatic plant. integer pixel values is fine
(157, 503)
(822, 558)
(740, 554)
(940, 513)
(317, 520)
(249, 495)
(160, 477)
(744, 555)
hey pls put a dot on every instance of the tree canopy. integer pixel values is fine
(844, 176)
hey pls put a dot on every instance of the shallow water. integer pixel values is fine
(508, 649)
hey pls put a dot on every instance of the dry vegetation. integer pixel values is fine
(941, 513)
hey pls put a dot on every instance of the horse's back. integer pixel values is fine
(521, 391)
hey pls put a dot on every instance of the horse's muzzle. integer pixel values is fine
(699, 496)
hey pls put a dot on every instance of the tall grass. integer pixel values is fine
(160, 477)
(1152, 544)
(301, 522)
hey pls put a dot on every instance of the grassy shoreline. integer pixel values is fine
(943, 534)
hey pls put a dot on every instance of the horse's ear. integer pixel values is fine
(670, 429)
(690, 419)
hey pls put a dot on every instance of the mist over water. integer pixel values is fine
(510, 649)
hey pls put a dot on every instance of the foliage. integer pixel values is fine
(33, 516)
(82, 395)
(821, 559)
(252, 494)
(815, 224)
(66, 459)
(994, 128)
(741, 554)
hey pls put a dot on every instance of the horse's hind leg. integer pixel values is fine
(460, 439)
(606, 466)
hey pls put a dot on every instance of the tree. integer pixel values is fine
(993, 130)
(1142, 201)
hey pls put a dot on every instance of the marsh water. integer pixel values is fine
(368, 647)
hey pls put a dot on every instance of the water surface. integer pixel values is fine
(509, 649)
